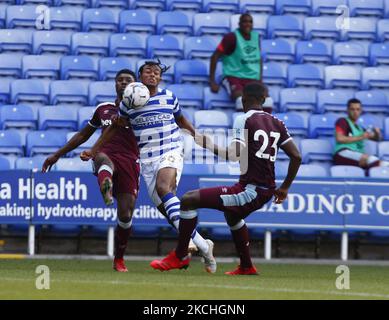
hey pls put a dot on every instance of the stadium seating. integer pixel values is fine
(383, 150)
(192, 169)
(78, 67)
(322, 125)
(260, 23)
(109, 67)
(101, 91)
(30, 163)
(44, 142)
(151, 5)
(371, 147)
(295, 123)
(5, 164)
(379, 172)
(214, 24)
(321, 27)
(275, 74)
(164, 46)
(88, 43)
(73, 164)
(99, 19)
(349, 53)
(65, 92)
(347, 172)
(84, 115)
(253, 6)
(372, 8)
(17, 116)
(375, 78)
(5, 85)
(361, 29)
(194, 71)
(23, 16)
(15, 41)
(278, 50)
(184, 5)
(121, 4)
(217, 100)
(11, 143)
(80, 3)
(85, 146)
(211, 119)
(373, 101)
(298, 99)
(343, 76)
(316, 150)
(230, 168)
(199, 47)
(302, 75)
(293, 7)
(379, 54)
(313, 52)
(285, 26)
(10, 66)
(36, 91)
(383, 30)
(188, 95)
(139, 21)
(52, 42)
(123, 44)
(173, 22)
(326, 7)
(312, 171)
(230, 6)
(57, 118)
(3, 9)
(333, 100)
(65, 18)
(40, 66)
(386, 130)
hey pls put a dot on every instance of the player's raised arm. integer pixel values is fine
(78, 139)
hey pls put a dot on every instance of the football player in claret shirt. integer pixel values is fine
(116, 164)
(256, 139)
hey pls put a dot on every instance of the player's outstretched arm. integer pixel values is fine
(183, 123)
(232, 153)
(294, 155)
(78, 139)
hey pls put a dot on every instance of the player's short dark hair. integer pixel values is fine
(156, 62)
(255, 90)
(353, 100)
(126, 71)
(243, 15)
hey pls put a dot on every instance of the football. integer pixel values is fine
(136, 95)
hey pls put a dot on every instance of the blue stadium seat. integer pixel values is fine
(87, 43)
(298, 99)
(313, 52)
(52, 42)
(321, 27)
(326, 7)
(124, 44)
(274, 93)
(316, 150)
(151, 5)
(383, 150)
(254, 6)
(215, 24)
(189, 113)
(373, 101)
(383, 30)
(211, 119)
(188, 95)
(173, 22)
(275, 74)
(305, 75)
(230, 168)
(69, 91)
(312, 171)
(164, 46)
(100, 19)
(101, 91)
(367, 120)
(192, 169)
(375, 78)
(343, 76)
(84, 115)
(139, 21)
(191, 71)
(108, 67)
(5, 164)
(217, 100)
(361, 29)
(347, 172)
(17, 116)
(15, 41)
(333, 100)
(199, 47)
(65, 18)
(44, 142)
(57, 118)
(73, 164)
(30, 91)
(40, 66)
(30, 163)
(349, 53)
(278, 50)
(184, 5)
(78, 67)
(5, 85)
(78, 3)
(220, 5)
(11, 142)
(379, 172)
(294, 122)
(3, 9)
(379, 54)
(10, 65)
(322, 125)
(301, 7)
(85, 146)
(281, 168)
(22, 17)
(260, 23)
(115, 4)
(386, 131)
(46, 2)
(371, 147)
(285, 26)
(372, 8)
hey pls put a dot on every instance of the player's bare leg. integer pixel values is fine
(126, 204)
(105, 168)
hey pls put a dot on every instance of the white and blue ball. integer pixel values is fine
(136, 95)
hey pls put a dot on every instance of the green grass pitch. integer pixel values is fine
(87, 279)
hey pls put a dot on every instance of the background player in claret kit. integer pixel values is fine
(156, 127)
(257, 137)
(116, 164)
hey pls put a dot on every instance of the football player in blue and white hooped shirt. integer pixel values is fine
(156, 127)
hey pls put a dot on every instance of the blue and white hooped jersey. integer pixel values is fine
(155, 126)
